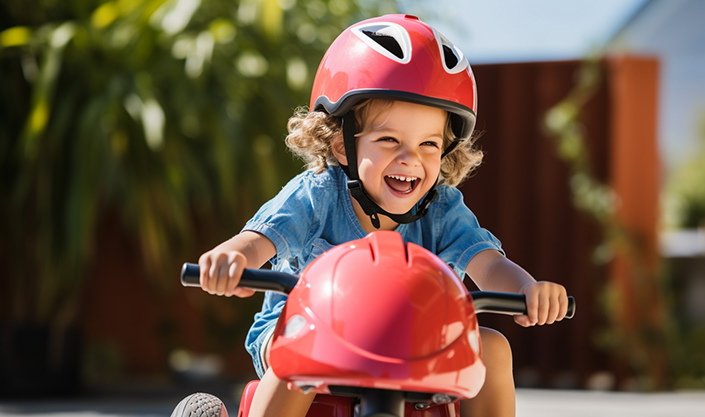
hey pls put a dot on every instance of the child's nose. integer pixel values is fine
(408, 156)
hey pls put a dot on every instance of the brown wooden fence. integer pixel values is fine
(521, 193)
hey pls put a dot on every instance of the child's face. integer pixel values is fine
(399, 154)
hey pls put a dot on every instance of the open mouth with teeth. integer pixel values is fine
(401, 184)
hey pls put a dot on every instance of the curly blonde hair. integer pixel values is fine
(312, 134)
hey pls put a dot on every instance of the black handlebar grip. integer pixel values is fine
(255, 279)
(571, 308)
(190, 275)
(508, 303)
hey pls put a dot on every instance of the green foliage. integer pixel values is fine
(688, 359)
(685, 191)
(159, 114)
(685, 209)
(639, 343)
(563, 125)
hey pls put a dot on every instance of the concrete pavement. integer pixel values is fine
(535, 403)
(530, 403)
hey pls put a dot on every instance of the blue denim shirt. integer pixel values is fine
(313, 213)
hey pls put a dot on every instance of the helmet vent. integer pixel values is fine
(453, 60)
(450, 58)
(387, 42)
(389, 39)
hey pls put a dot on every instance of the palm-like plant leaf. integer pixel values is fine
(162, 113)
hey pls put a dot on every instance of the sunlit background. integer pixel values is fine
(136, 134)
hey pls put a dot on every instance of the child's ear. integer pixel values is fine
(337, 146)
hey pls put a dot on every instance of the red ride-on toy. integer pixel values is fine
(375, 328)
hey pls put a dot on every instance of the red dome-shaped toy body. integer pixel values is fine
(377, 313)
(396, 57)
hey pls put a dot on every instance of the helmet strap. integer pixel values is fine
(357, 190)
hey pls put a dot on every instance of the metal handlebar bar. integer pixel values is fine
(266, 280)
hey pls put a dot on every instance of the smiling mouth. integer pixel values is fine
(401, 184)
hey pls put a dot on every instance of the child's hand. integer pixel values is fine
(221, 272)
(546, 303)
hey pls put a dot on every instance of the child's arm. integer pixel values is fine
(547, 302)
(222, 266)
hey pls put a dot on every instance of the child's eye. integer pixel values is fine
(387, 139)
(431, 143)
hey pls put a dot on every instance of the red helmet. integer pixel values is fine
(401, 58)
(396, 57)
(375, 313)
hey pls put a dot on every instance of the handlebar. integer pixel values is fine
(508, 303)
(256, 279)
(281, 282)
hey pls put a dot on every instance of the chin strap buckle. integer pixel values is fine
(358, 193)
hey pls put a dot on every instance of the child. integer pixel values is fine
(387, 140)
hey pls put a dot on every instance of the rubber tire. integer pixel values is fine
(200, 405)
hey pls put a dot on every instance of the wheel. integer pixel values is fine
(200, 405)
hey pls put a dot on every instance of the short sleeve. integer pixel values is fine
(460, 236)
(287, 220)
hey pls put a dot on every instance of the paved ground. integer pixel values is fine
(535, 403)
(530, 403)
